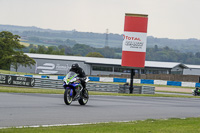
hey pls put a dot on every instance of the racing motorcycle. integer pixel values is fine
(196, 92)
(74, 90)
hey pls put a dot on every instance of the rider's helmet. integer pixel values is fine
(75, 66)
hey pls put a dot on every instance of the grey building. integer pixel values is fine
(192, 70)
(60, 64)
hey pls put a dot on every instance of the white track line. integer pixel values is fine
(54, 125)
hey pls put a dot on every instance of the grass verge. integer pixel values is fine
(61, 91)
(173, 125)
(13, 73)
(21, 73)
(9, 89)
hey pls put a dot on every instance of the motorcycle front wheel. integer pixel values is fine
(68, 96)
(84, 98)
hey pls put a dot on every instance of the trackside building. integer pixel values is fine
(60, 64)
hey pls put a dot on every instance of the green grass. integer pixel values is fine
(12, 72)
(30, 90)
(175, 92)
(173, 125)
(20, 73)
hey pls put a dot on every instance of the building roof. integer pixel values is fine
(105, 61)
(193, 66)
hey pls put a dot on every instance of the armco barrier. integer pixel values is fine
(124, 80)
(137, 89)
(148, 90)
(197, 85)
(57, 84)
(142, 81)
(61, 77)
(147, 81)
(45, 82)
(119, 80)
(48, 83)
(186, 84)
(106, 79)
(160, 82)
(174, 83)
(102, 87)
(94, 78)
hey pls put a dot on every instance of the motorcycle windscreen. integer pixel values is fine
(70, 76)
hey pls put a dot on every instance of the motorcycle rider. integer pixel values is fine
(81, 74)
(197, 91)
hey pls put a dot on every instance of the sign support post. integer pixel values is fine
(131, 81)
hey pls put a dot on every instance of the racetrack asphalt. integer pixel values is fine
(25, 109)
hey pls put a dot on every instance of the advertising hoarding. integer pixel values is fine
(17, 80)
(134, 43)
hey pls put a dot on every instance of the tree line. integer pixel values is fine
(170, 55)
(12, 52)
(77, 50)
(164, 54)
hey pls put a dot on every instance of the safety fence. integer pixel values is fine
(48, 83)
(125, 80)
(146, 81)
(58, 84)
(102, 87)
(137, 89)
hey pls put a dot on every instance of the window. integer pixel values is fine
(122, 70)
(102, 68)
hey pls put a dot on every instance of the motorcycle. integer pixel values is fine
(74, 90)
(196, 92)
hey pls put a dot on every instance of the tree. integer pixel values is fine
(94, 54)
(21, 59)
(49, 50)
(41, 49)
(82, 49)
(155, 48)
(11, 51)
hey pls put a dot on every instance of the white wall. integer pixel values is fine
(191, 72)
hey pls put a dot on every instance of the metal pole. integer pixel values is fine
(131, 85)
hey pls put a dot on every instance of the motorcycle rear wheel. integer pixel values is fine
(67, 98)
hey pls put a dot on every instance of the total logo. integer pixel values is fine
(131, 38)
(134, 41)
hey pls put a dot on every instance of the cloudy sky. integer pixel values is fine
(175, 19)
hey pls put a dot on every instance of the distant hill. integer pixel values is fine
(15, 28)
(41, 36)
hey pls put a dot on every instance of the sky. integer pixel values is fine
(174, 19)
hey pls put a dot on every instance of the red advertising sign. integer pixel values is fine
(134, 43)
